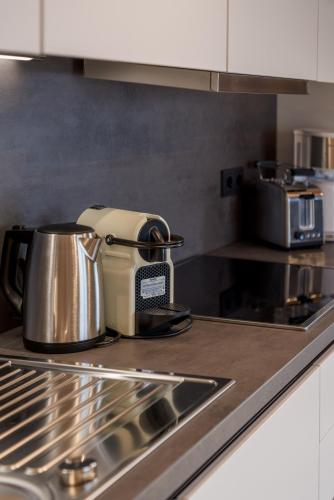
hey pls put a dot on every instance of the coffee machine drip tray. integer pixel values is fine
(254, 292)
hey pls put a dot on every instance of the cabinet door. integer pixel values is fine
(181, 33)
(326, 364)
(326, 41)
(326, 479)
(20, 27)
(276, 38)
(278, 459)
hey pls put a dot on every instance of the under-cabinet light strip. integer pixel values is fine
(15, 58)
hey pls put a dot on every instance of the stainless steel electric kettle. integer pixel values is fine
(57, 286)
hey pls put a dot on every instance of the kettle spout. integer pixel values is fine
(91, 247)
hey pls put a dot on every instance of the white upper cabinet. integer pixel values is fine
(326, 41)
(274, 38)
(20, 27)
(256, 37)
(179, 33)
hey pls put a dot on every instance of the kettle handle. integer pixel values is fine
(11, 264)
(91, 247)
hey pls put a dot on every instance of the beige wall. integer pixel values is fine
(311, 111)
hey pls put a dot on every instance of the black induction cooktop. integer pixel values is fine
(254, 292)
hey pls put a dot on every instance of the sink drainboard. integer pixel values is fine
(73, 430)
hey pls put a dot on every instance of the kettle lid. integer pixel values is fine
(66, 228)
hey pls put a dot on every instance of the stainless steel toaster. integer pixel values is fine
(289, 209)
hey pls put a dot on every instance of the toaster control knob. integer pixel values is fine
(78, 470)
(299, 236)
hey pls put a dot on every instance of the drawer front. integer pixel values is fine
(326, 393)
(276, 459)
(326, 472)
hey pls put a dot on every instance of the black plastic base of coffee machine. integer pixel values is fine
(62, 348)
(167, 320)
(161, 322)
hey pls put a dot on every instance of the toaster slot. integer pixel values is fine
(306, 212)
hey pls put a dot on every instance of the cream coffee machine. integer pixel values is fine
(138, 273)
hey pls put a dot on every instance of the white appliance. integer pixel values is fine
(138, 272)
(314, 148)
(325, 181)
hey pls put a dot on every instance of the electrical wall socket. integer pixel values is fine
(230, 181)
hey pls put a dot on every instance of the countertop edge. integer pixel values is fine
(206, 450)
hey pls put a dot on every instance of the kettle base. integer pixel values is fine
(61, 348)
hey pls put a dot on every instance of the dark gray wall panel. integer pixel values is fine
(67, 142)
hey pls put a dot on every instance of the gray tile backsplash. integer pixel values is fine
(67, 142)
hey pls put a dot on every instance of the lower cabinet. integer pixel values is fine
(326, 364)
(277, 458)
(326, 479)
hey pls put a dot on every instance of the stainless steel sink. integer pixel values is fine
(71, 431)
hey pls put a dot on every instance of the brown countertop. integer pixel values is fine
(323, 256)
(261, 360)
